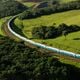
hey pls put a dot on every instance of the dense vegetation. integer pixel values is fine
(19, 62)
(50, 9)
(10, 7)
(44, 32)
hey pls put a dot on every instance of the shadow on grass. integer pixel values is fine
(16, 29)
(76, 39)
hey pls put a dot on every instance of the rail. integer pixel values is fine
(63, 52)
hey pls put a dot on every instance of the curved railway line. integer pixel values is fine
(6, 28)
(6, 31)
(12, 34)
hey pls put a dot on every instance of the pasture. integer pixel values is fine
(72, 43)
(65, 1)
(1, 22)
(68, 17)
(29, 4)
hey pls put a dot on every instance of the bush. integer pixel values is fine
(45, 32)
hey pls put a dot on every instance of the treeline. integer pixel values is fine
(19, 62)
(44, 32)
(50, 9)
(10, 7)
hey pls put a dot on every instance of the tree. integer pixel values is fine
(65, 33)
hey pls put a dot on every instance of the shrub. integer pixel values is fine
(44, 32)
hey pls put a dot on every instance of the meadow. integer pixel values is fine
(71, 43)
(1, 22)
(65, 1)
(68, 17)
(29, 4)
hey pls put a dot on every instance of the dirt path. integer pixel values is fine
(7, 32)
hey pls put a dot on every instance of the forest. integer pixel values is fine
(20, 62)
(10, 7)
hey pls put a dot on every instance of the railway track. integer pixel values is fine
(6, 31)
(55, 50)
(6, 28)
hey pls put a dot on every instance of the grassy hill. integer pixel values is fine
(68, 17)
(72, 42)
(1, 22)
(64, 1)
(72, 17)
(29, 4)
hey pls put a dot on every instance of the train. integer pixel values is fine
(56, 50)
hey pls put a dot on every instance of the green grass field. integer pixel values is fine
(29, 4)
(1, 22)
(65, 1)
(70, 44)
(69, 17)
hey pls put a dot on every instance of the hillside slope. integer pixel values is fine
(68, 17)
